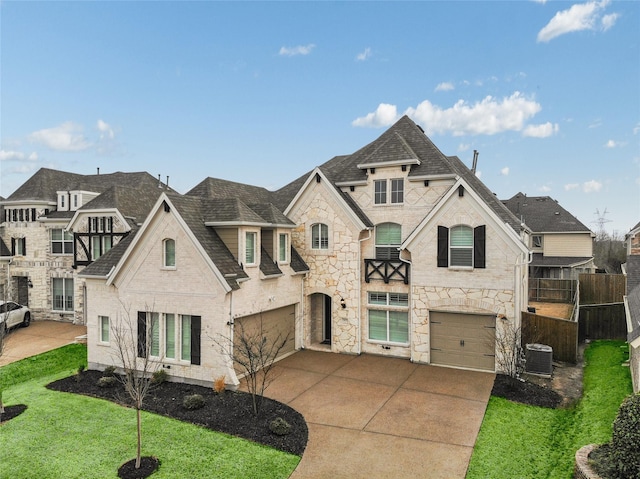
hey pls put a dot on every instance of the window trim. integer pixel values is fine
(388, 307)
(460, 248)
(322, 243)
(253, 261)
(283, 248)
(62, 241)
(101, 330)
(64, 296)
(152, 340)
(390, 193)
(165, 243)
(478, 248)
(393, 249)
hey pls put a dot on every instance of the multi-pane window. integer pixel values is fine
(250, 248)
(101, 224)
(380, 192)
(388, 239)
(169, 253)
(319, 236)
(99, 246)
(389, 317)
(461, 246)
(283, 247)
(62, 294)
(103, 323)
(169, 336)
(61, 241)
(395, 186)
(18, 246)
(536, 241)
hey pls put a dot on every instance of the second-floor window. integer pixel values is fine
(462, 246)
(18, 246)
(395, 186)
(388, 239)
(61, 241)
(536, 241)
(319, 236)
(250, 248)
(99, 246)
(169, 253)
(283, 247)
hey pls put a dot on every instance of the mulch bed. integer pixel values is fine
(148, 465)
(229, 412)
(525, 392)
(12, 411)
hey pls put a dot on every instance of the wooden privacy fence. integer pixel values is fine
(560, 334)
(602, 288)
(548, 290)
(602, 321)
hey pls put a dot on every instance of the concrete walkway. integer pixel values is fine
(371, 416)
(39, 337)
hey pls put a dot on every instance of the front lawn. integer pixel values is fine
(519, 441)
(72, 436)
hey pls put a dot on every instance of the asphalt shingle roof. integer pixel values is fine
(543, 214)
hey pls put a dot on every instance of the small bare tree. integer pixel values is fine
(254, 353)
(510, 357)
(133, 345)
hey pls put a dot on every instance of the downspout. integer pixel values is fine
(411, 322)
(301, 313)
(517, 300)
(231, 329)
(359, 282)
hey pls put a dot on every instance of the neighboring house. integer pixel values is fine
(395, 250)
(58, 222)
(562, 246)
(632, 303)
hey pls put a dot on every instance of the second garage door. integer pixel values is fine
(463, 340)
(276, 326)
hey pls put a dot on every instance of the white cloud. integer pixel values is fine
(592, 186)
(571, 186)
(106, 132)
(365, 55)
(541, 131)
(544, 189)
(464, 147)
(486, 117)
(580, 16)
(384, 115)
(611, 144)
(17, 156)
(445, 86)
(66, 137)
(298, 50)
(504, 171)
(636, 129)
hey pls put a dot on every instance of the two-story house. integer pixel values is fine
(631, 269)
(58, 222)
(395, 250)
(562, 246)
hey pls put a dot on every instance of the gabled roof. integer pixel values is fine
(45, 183)
(543, 214)
(403, 143)
(215, 188)
(268, 267)
(101, 267)
(132, 203)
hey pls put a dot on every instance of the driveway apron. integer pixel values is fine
(373, 416)
(39, 337)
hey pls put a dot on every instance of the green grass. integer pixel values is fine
(518, 441)
(72, 436)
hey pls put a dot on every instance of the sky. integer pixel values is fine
(548, 92)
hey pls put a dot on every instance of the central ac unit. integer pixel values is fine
(539, 359)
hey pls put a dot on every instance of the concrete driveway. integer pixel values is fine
(371, 416)
(39, 337)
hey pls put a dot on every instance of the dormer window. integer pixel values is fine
(250, 248)
(283, 248)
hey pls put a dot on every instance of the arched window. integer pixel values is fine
(388, 240)
(169, 253)
(319, 236)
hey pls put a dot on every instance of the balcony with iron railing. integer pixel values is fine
(386, 270)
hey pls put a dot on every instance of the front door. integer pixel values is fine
(326, 320)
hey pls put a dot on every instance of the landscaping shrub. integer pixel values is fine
(160, 376)
(620, 459)
(193, 401)
(107, 381)
(219, 385)
(280, 427)
(109, 371)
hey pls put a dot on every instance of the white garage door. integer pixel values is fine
(463, 340)
(276, 326)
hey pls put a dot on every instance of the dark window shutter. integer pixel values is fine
(443, 247)
(13, 246)
(479, 246)
(142, 334)
(195, 339)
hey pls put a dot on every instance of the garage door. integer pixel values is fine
(463, 340)
(276, 326)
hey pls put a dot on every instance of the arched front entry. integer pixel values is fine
(320, 318)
